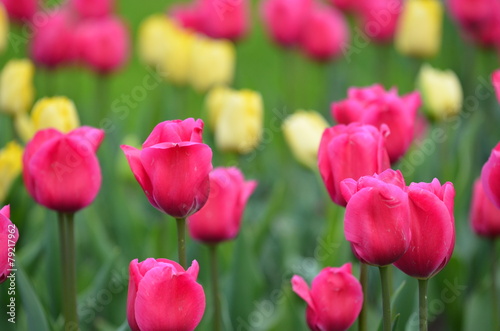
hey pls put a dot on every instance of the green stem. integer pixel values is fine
(386, 297)
(64, 258)
(363, 279)
(181, 241)
(494, 288)
(215, 288)
(422, 303)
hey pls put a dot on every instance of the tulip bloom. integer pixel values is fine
(10, 167)
(377, 217)
(484, 216)
(173, 167)
(8, 238)
(177, 61)
(373, 105)
(224, 19)
(61, 171)
(189, 16)
(220, 219)
(334, 300)
(379, 18)
(16, 87)
(153, 39)
(164, 296)
(490, 176)
(303, 131)
(496, 83)
(432, 229)
(93, 8)
(21, 10)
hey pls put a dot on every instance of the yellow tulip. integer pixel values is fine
(154, 36)
(215, 102)
(212, 63)
(441, 91)
(16, 87)
(303, 131)
(24, 127)
(176, 63)
(58, 113)
(10, 167)
(420, 28)
(4, 28)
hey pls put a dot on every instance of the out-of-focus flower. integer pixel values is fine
(417, 39)
(21, 10)
(92, 8)
(16, 87)
(379, 18)
(490, 176)
(189, 16)
(58, 113)
(4, 28)
(175, 66)
(61, 171)
(377, 217)
(303, 131)
(496, 83)
(334, 300)
(212, 63)
(154, 36)
(347, 5)
(8, 239)
(226, 19)
(432, 229)
(373, 105)
(220, 219)
(173, 167)
(237, 119)
(441, 91)
(10, 167)
(325, 34)
(484, 215)
(164, 296)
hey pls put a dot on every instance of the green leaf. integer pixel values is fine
(37, 318)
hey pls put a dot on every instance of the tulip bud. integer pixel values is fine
(334, 300)
(496, 83)
(16, 87)
(224, 19)
(21, 10)
(8, 238)
(58, 113)
(220, 219)
(417, 39)
(303, 131)
(351, 151)
(484, 215)
(92, 8)
(432, 229)
(490, 176)
(441, 91)
(154, 35)
(377, 217)
(379, 18)
(10, 167)
(164, 296)
(4, 28)
(177, 61)
(61, 171)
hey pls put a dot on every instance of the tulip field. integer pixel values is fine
(250, 165)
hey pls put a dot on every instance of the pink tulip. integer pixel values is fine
(379, 18)
(373, 105)
(61, 171)
(325, 34)
(377, 217)
(220, 218)
(285, 19)
(432, 227)
(334, 300)
(351, 151)
(490, 176)
(496, 83)
(227, 19)
(20, 10)
(347, 5)
(8, 238)
(173, 167)
(103, 44)
(188, 16)
(162, 296)
(484, 215)
(92, 8)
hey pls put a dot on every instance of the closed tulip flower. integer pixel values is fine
(373, 105)
(377, 217)
(189, 15)
(164, 296)
(58, 113)
(350, 151)
(490, 176)
(432, 229)
(334, 300)
(10, 167)
(220, 219)
(224, 19)
(4, 28)
(303, 131)
(154, 35)
(92, 8)
(177, 62)
(8, 238)
(61, 171)
(16, 87)
(441, 91)
(325, 34)
(379, 18)
(212, 63)
(417, 39)
(173, 167)
(496, 83)
(21, 10)
(484, 215)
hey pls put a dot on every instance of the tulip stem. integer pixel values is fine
(494, 288)
(386, 297)
(181, 241)
(215, 288)
(422, 303)
(363, 279)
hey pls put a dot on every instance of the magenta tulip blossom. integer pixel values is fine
(173, 167)
(93, 8)
(225, 18)
(220, 218)
(484, 215)
(432, 229)
(351, 151)
(21, 10)
(8, 239)
(334, 300)
(490, 176)
(377, 217)
(164, 296)
(496, 83)
(379, 18)
(61, 171)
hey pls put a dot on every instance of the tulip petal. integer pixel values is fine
(175, 131)
(134, 280)
(300, 287)
(5, 211)
(194, 269)
(92, 135)
(490, 175)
